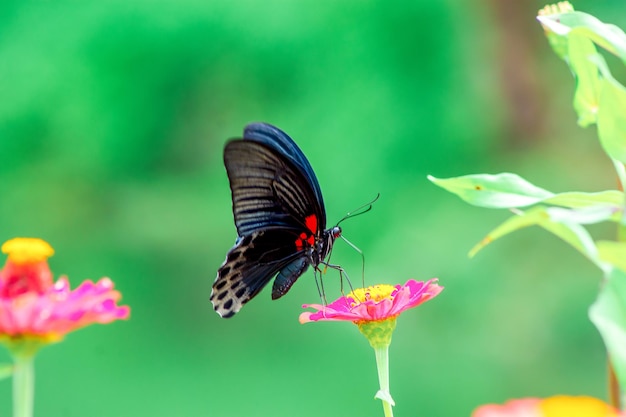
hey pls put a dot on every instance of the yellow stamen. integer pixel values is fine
(24, 250)
(375, 293)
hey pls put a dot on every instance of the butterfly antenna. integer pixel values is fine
(357, 212)
(360, 210)
(342, 272)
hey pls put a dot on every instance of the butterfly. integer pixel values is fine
(279, 215)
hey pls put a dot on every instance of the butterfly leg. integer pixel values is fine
(319, 282)
(342, 273)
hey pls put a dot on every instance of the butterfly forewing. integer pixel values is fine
(278, 140)
(267, 189)
(279, 214)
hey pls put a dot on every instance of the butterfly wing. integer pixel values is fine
(277, 139)
(272, 183)
(278, 211)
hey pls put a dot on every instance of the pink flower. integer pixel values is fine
(375, 303)
(526, 407)
(33, 307)
(557, 406)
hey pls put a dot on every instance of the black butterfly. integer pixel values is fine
(279, 214)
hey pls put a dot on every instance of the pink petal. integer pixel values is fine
(61, 310)
(305, 317)
(526, 407)
(410, 295)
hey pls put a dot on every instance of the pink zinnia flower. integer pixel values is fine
(375, 303)
(35, 308)
(557, 406)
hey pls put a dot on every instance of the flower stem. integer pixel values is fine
(382, 363)
(23, 385)
(614, 392)
(621, 173)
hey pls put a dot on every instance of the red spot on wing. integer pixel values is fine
(311, 223)
(300, 241)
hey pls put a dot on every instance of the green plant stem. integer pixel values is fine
(615, 391)
(621, 173)
(614, 394)
(382, 363)
(23, 385)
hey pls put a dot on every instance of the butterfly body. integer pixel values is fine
(279, 214)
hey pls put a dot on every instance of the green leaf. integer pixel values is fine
(608, 314)
(585, 215)
(561, 25)
(580, 48)
(510, 191)
(503, 190)
(613, 253)
(609, 37)
(579, 199)
(570, 232)
(611, 113)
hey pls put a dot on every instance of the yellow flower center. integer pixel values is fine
(566, 406)
(560, 7)
(26, 250)
(376, 293)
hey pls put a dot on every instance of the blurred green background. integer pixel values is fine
(113, 119)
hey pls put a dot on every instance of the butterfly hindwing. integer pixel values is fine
(249, 266)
